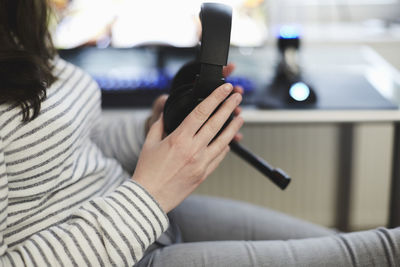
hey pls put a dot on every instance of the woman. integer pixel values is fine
(68, 196)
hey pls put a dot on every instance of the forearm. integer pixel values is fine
(121, 137)
(114, 230)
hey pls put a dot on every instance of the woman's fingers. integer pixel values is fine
(238, 89)
(228, 69)
(237, 111)
(225, 137)
(159, 103)
(238, 137)
(200, 114)
(156, 131)
(157, 109)
(215, 123)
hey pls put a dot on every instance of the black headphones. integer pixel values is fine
(198, 79)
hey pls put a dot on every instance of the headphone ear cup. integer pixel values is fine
(179, 104)
(180, 101)
(186, 75)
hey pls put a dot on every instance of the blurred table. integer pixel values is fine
(368, 90)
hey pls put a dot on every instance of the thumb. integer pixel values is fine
(159, 104)
(156, 131)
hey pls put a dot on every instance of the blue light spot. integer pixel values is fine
(288, 32)
(299, 91)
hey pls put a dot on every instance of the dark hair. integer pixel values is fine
(26, 51)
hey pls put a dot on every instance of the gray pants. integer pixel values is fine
(220, 232)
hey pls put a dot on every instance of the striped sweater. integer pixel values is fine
(66, 197)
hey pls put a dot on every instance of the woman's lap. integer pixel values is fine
(220, 232)
(209, 219)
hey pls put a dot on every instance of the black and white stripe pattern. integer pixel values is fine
(66, 197)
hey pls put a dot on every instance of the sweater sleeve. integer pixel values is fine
(121, 137)
(113, 230)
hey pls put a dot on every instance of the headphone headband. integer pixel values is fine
(216, 20)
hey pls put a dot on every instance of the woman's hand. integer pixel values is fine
(171, 168)
(159, 103)
(157, 109)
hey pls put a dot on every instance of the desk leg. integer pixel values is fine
(394, 212)
(345, 163)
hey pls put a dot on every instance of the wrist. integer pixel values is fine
(152, 193)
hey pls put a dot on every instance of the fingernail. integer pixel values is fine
(228, 87)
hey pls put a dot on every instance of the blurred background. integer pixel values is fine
(341, 149)
(128, 23)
